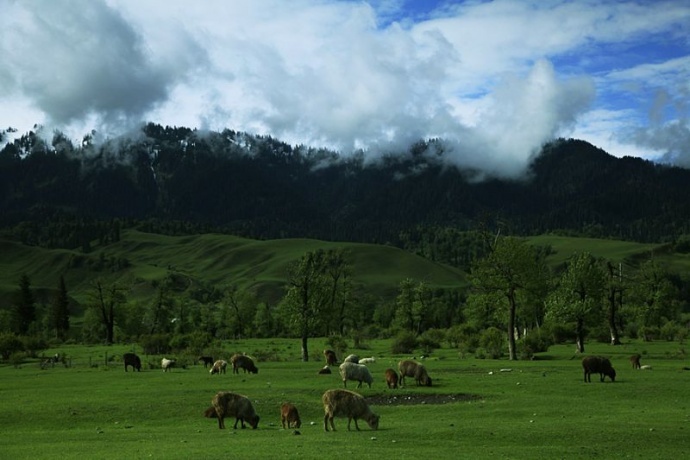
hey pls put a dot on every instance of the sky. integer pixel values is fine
(494, 79)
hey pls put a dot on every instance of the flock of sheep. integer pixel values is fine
(337, 402)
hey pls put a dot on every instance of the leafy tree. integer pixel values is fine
(10, 343)
(653, 296)
(238, 312)
(25, 307)
(60, 310)
(615, 286)
(412, 306)
(579, 296)
(105, 301)
(511, 275)
(309, 294)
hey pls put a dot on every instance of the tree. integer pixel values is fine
(614, 297)
(239, 312)
(60, 310)
(308, 295)
(512, 274)
(579, 295)
(412, 305)
(654, 297)
(105, 300)
(25, 308)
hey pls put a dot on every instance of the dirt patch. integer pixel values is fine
(411, 399)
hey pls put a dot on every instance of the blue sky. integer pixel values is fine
(495, 79)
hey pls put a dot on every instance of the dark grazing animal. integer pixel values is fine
(391, 378)
(207, 360)
(331, 359)
(345, 403)
(635, 361)
(243, 362)
(289, 416)
(598, 365)
(409, 368)
(133, 360)
(228, 404)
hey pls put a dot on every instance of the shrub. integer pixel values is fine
(404, 342)
(464, 337)
(338, 344)
(33, 345)
(431, 340)
(10, 344)
(155, 344)
(669, 331)
(649, 333)
(492, 341)
(535, 341)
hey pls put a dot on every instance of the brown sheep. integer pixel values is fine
(331, 359)
(228, 404)
(243, 362)
(413, 369)
(132, 360)
(346, 403)
(219, 367)
(598, 365)
(635, 361)
(391, 378)
(325, 370)
(289, 417)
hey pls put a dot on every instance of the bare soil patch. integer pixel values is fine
(411, 399)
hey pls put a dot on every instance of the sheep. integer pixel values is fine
(367, 360)
(325, 370)
(635, 361)
(229, 404)
(409, 368)
(646, 367)
(289, 417)
(345, 403)
(244, 362)
(599, 365)
(391, 378)
(207, 360)
(219, 367)
(133, 360)
(331, 359)
(359, 372)
(351, 359)
(167, 364)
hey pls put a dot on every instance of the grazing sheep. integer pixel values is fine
(367, 360)
(133, 360)
(345, 403)
(391, 378)
(289, 417)
(351, 359)
(409, 368)
(244, 362)
(359, 372)
(331, 359)
(325, 370)
(167, 364)
(646, 367)
(635, 361)
(228, 404)
(207, 360)
(219, 367)
(598, 365)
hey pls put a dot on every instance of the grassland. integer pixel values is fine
(476, 408)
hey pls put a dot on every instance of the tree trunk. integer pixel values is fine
(580, 336)
(512, 352)
(305, 349)
(615, 338)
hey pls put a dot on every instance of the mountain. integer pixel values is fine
(176, 180)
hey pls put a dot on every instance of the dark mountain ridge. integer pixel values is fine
(261, 187)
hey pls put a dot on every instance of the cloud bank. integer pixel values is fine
(495, 79)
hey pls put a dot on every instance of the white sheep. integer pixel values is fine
(367, 360)
(351, 359)
(359, 372)
(345, 403)
(219, 367)
(167, 364)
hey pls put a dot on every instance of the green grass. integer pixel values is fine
(538, 409)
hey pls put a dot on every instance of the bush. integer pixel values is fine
(649, 333)
(464, 337)
(431, 340)
(10, 344)
(403, 343)
(155, 344)
(33, 345)
(535, 341)
(492, 340)
(338, 344)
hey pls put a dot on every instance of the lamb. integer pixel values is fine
(229, 404)
(409, 368)
(599, 365)
(359, 372)
(289, 417)
(391, 378)
(325, 370)
(351, 359)
(167, 364)
(635, 361)
(367, 360)
(244, 362)
(219, 367)
(207, 360)
(133, 360)
(331, 359)
(345, 403)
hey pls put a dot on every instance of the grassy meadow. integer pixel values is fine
(475, 409)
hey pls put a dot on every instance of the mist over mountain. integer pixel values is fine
(261, 187)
